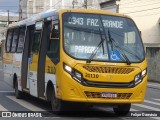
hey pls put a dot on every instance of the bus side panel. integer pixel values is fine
(17, 59)
(50, 74)
(8, 68)
(11, 66)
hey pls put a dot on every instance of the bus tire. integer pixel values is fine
(58, 106)
(18, 93)
(122, 109)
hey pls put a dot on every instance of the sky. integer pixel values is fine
(11, 5)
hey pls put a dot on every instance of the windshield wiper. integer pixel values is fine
(95, 50)
(112, 41)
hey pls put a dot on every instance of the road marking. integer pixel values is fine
(3, 108)
(25, 104)
(147, 107)
(156, 99)
(153, 85)
(156, 118)
(6, 91)
(133, 109)
(155, 103)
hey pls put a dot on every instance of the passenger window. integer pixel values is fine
(9, 40)
(36, 42)
(15, 40)
(53, 50)
(21, 40)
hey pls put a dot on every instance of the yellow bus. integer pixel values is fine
(77, 55)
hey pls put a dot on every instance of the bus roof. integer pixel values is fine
(94, 11)
(53, 13)
(37, 17)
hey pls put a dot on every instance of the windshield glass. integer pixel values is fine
(105, 38)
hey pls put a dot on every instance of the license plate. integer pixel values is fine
(109, 95)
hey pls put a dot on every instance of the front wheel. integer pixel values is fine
(58, 106)
(122, 109)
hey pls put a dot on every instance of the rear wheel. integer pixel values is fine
(58, 106)
(122, 109)
(18, 93)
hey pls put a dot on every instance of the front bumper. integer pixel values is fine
(70, 90)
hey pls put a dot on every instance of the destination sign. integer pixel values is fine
(95, 22)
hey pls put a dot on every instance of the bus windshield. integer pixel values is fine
(101, 38)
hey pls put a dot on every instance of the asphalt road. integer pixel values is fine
(8, 103)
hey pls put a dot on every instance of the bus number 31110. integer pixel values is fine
(92, 75)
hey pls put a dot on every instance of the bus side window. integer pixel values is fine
(21, 40)
(15, 40)
(36, 42)
(9, 40)
(55, 31)
(53, 45)
(53, 50)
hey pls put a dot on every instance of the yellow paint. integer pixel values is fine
(49, 66)
(34, 64)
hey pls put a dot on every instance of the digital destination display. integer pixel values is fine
(94, 22)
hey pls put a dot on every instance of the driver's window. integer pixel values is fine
(53, 46)
(55, 30)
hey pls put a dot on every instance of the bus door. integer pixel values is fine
(42, 59)
(34, 57)
(48, 55)
(25, 56)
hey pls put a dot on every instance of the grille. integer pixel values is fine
(114, 70)
(108, 85)
(98, 95)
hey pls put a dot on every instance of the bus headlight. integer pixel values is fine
(144, 72)
(68, 69)
(78, 75)
(139, 77)
(74, 73)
